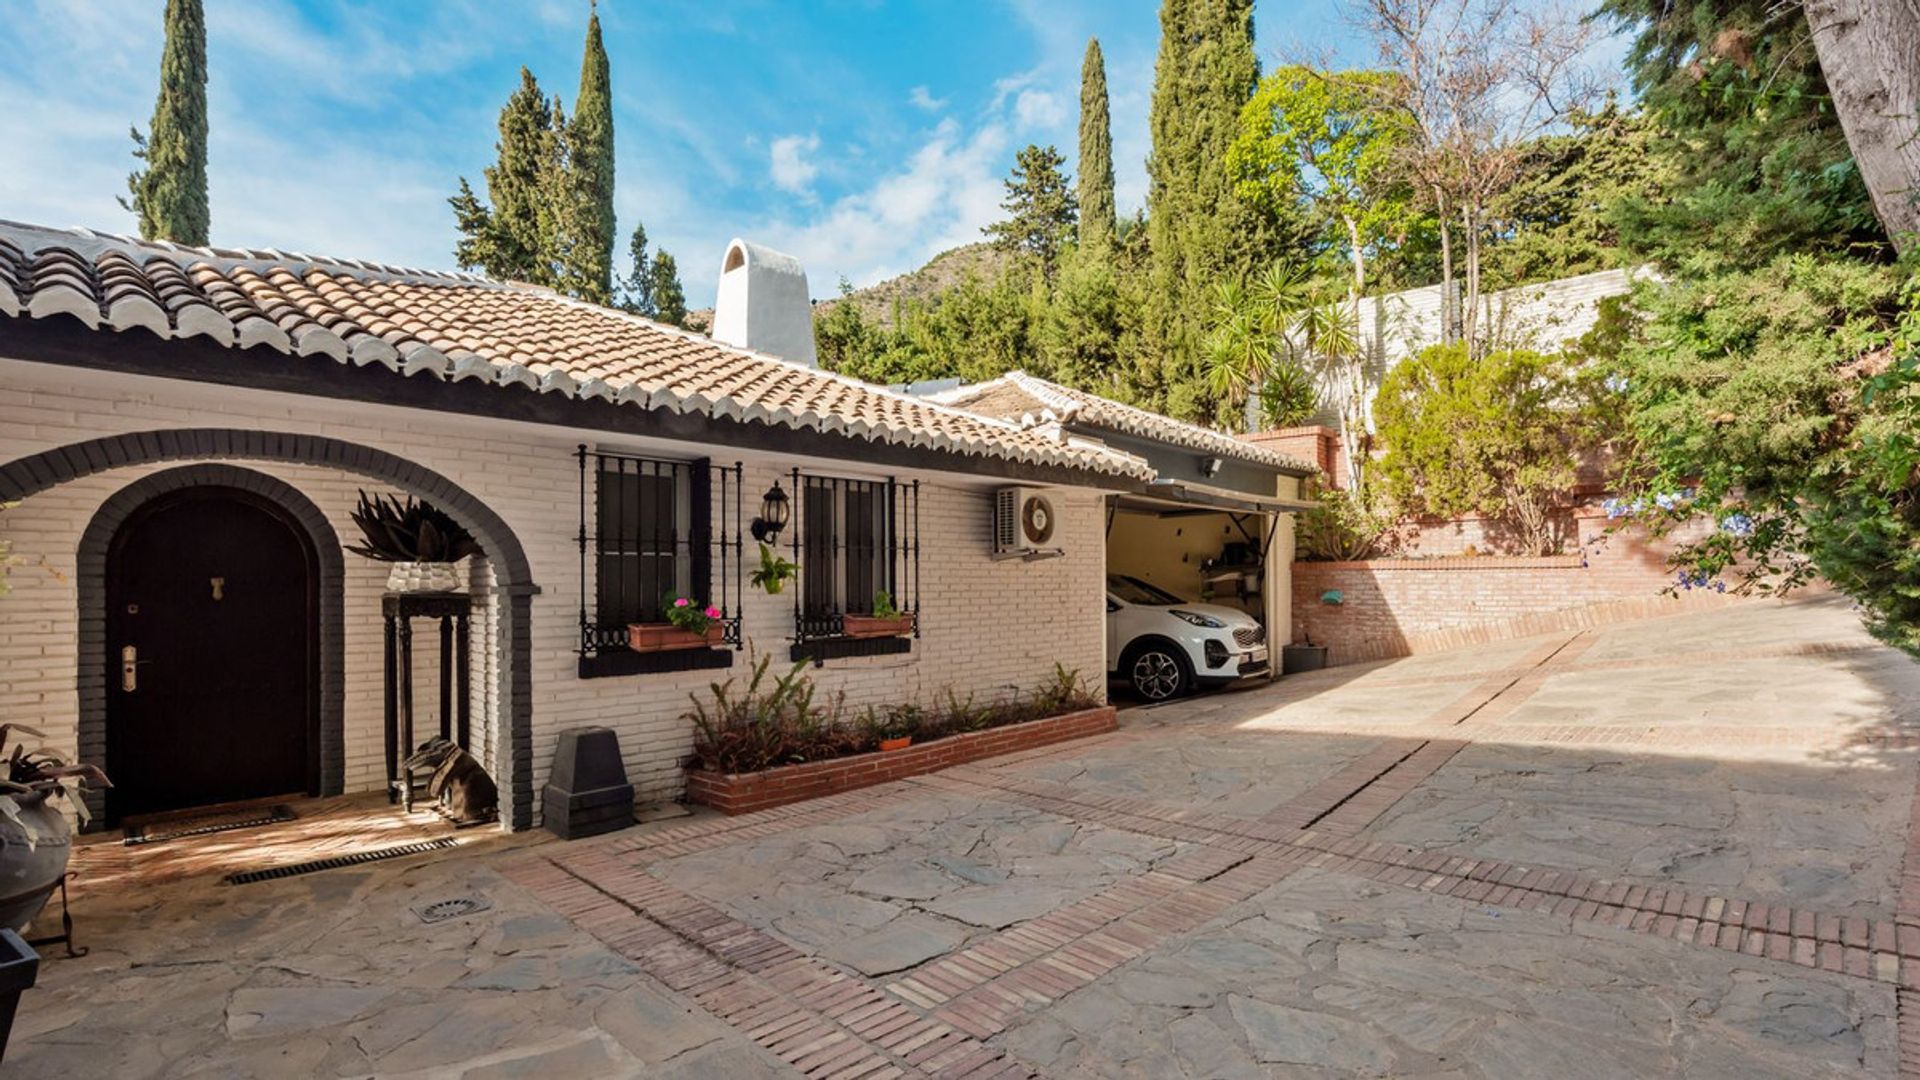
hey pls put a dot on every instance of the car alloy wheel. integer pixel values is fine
(1156, 675)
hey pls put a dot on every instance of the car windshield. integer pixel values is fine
(1134, 591)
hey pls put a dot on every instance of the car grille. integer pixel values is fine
(1248, 636)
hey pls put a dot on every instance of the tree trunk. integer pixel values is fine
(1870, 55)
(1446, 266)
(1470, 301)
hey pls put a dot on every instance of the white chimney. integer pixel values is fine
(763, 303)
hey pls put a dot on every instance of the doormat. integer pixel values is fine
(274, 873)
(180, 828)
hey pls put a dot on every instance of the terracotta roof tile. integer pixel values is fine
(458, 326)
(1034, 402)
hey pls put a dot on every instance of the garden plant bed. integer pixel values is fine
(739, 793)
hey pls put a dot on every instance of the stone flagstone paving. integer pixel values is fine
(1682, 846)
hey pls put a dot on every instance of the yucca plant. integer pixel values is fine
(409, 531)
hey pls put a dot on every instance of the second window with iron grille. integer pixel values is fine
(857, 543)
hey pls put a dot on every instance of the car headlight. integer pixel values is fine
(1197, 619)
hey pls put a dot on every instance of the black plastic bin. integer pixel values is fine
(19, 969)
(587, 793)
(1298, 658)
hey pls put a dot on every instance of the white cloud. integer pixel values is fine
(790, 168)
(922, 98)
(941, 197)
(1038, 110)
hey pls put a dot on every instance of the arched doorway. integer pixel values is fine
(212, 650)
(511, 635)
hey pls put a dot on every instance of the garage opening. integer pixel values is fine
(1188, 600)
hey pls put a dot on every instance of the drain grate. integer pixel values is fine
(442, 910)
(135, 835)
(274, 873)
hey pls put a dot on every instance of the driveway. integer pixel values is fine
(1669, 847)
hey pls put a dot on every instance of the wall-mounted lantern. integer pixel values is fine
(1210, 467)
(775, 511)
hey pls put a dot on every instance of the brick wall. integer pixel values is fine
(1397, 607)
(1315, 444)
(988, 627)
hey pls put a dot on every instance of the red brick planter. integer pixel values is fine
(740, 793)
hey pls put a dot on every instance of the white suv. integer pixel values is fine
(1164, 646)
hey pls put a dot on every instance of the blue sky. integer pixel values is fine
(861, 136)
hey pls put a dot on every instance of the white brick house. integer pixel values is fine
(207, 382)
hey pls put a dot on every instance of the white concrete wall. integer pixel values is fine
(988, 627)
(1544, 316)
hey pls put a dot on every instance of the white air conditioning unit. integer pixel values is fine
(1024, 524)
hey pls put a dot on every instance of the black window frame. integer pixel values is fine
(680, 516)
(841, 570)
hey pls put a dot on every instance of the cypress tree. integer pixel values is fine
(1096, 151)
(587, 255)
(1199, 231)
(170, 193)
(516, 237)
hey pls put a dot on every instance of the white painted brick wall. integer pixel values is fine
(988, 627)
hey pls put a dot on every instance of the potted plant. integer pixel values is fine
(35, 839)
(418, 538)
(893, 729)
(688, 626)
(884, 621)
(774, 572)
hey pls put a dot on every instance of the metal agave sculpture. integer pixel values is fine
(409, 531)
(32, 777)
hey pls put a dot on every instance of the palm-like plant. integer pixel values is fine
(1281, 318)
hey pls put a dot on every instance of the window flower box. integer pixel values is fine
(877, 626)
(666, 637)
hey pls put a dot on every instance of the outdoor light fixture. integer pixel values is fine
(774, 512)
(1210, 467)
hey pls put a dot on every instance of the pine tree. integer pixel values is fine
(516, 237)
(1199, 230)
(1096, 152)
(636, 288)
(1041, 208)
(587, 249)
(669, 299)
(170, 193)
(1743, 118)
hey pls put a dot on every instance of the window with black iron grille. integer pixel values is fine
(648, 536)
(854, 539)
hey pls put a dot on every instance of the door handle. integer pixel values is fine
(130, 668)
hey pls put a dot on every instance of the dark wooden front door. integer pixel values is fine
(213, 590)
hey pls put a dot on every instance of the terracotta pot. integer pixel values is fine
(900, 743)
(665, 637)
(33, 854)
(423, 577)
(873, 626)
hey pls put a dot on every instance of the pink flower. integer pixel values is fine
(713, 612)
(682, 602)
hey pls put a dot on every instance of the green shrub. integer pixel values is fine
(1500, 434)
